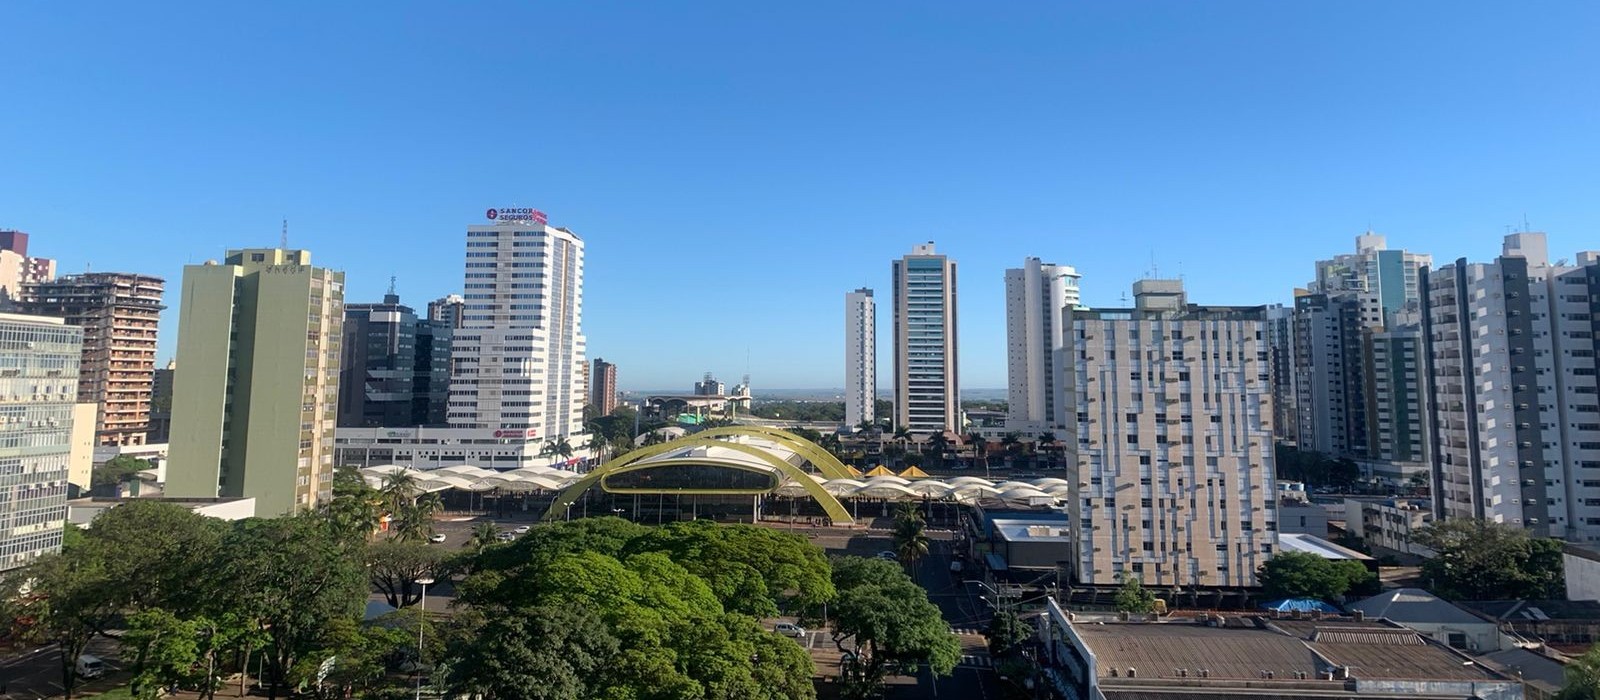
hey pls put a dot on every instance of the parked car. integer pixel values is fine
(436, 537)
(506, 537)
(887, 555)
(523, 529)
(955, 566)
(789, 629)
(90, 666)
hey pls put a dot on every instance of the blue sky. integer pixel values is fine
(736, 167)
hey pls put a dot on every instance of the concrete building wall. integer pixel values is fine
(80, 466)
(860, 358)
(1173, 444)
(603, 387)
(1582, 573)
(254, 414)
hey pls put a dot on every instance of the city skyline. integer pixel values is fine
(1272, 143)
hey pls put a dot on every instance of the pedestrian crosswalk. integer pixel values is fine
(976, 660)
(965, 631)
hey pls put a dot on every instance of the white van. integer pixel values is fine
(90, 666)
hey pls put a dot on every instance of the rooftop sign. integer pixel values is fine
(517, 214)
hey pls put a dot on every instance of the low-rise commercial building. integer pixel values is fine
(1388, 523)
(1434, 617)
(435, 448)
(1256, 656)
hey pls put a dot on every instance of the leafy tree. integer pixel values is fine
(118, 469)
(1305, 575)
(393, 567)
(544, 653)
(351, 659)
(166, 652)
(290, 580)
(752, 570)
(1583, 677)
(1133, 598)
(894, 626)
(1481, 560)
(399, 489)
(65, 598)
(156, 552)
(1006, 634)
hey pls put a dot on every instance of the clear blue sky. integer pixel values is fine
(737, 167)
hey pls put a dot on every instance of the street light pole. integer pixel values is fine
(422, 620)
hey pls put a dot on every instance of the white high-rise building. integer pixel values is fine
(1037, 294)
(520, 349)
(927, 387)
(1515, 400)
(1384, 280)
(860, 358)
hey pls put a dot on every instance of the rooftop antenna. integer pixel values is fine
(283, 240)
(391, 284)
(1525, 227)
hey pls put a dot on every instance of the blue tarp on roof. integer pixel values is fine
(1301, 604)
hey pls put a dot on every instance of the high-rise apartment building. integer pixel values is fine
(1037, 295)
(396, 367)
(1395, 369)
(1357, 299)
(1280, 339)
(253, 411)
(17, 269)
(161, 403)
(1515, 404)
(520, 347)
(1171, 405)
(860, 358)
(927, 387)
(38, 386)
(603, 387)
(449, 309)
(120, 314)
(1328, 375)
(1384, 281)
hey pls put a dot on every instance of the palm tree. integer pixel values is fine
(484, 536)
(902, 435)
(563, 449)
(399, 490)
(980, 450)
(1047, 442)
(355, 509)
(1012, 442)
(906, 511)
(911, 539)
(597, 445)
(939, 443)
(415, 520)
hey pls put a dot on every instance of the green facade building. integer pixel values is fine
(254, 407)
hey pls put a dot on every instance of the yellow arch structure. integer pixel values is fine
(631, 462)
(823, 460)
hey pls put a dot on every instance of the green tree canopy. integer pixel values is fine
(394, 567)
(894, 625)
(544, 653)
(1306, 575)
(1583, 677)
(1133, 598)
(1481, 560)
(291, 579)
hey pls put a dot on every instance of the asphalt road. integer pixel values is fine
(36, 673)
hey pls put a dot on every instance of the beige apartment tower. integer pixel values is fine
(254, 408)
(1172, 406)
(120, 314)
